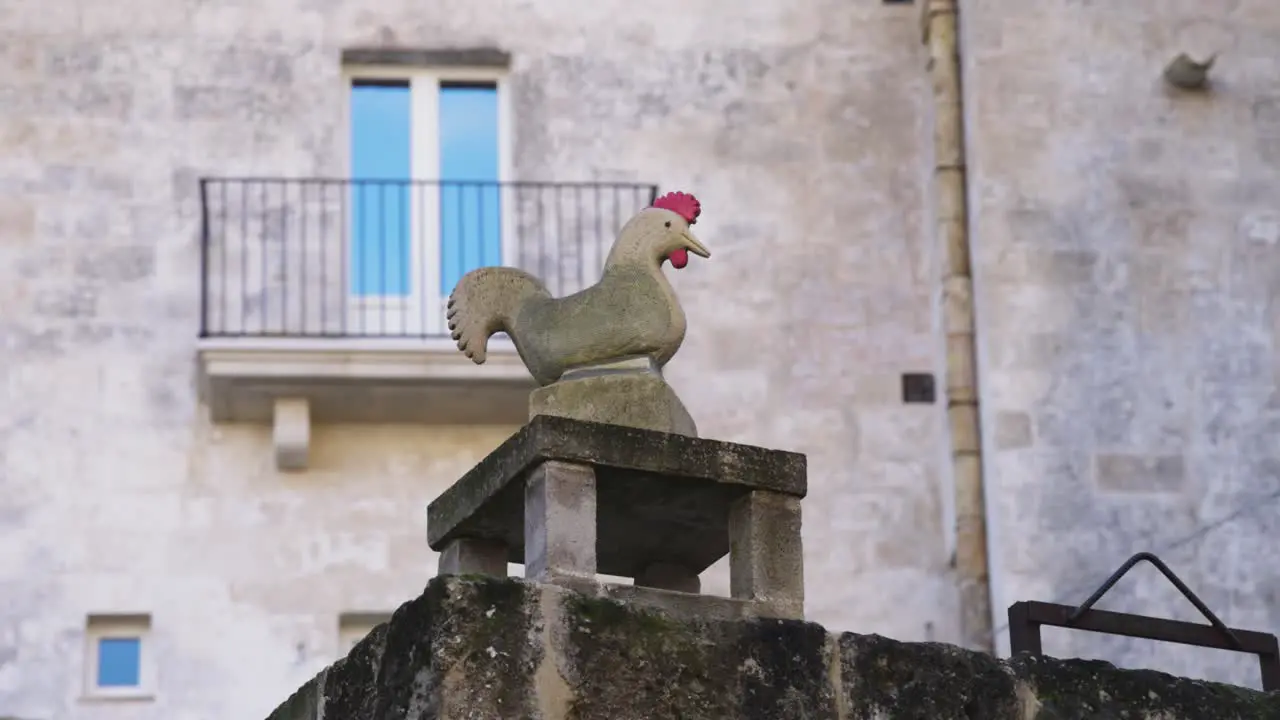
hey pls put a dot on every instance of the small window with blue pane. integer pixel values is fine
(115, 665)
(119, 662)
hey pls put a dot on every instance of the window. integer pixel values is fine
(117, 657)
(353, 627)
(429, 154)
(470, 215)
(381, 148)
(119, 662)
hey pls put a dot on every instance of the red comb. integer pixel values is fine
(682, 204)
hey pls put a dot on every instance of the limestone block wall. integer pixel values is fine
(1126, 267)
(800, 126)
(504, 650)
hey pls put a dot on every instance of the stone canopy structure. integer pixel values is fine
(571, 499)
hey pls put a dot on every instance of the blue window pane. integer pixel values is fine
(381, 144)
(119, 662)
(470, 212)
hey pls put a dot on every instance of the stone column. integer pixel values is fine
(560, 522)
(766, 553)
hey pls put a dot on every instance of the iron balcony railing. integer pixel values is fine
(378, 258)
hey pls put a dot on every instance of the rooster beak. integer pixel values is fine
(696, 247)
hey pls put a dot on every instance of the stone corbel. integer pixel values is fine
(292, 433)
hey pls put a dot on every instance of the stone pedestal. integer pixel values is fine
(629, 392)
(570, 499)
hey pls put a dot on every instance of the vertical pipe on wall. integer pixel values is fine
(940, 26)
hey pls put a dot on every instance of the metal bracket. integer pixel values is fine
(1026, 618)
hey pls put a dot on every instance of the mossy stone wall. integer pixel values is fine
(502, 649)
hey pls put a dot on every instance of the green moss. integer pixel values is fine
(620, 651)
(645, 636)
(481, 632)
(484, 620)
(923, 680)
(611, 615)
(690, 669)
(1089, 688)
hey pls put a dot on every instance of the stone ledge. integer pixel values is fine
(476, 57)
(503, 649)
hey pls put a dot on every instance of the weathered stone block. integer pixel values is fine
(1136, 473)
(17, 219)
(1013, 430)
(117, 264)
(100, 101)
(221, 102)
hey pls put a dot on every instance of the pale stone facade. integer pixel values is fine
(1125, 236)
(1124, 239)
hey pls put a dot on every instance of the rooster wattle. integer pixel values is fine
(631, 312)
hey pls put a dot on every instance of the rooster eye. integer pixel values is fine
(668, 223)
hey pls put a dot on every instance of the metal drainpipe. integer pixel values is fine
(939, 21)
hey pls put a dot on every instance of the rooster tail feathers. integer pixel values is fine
(486, 301)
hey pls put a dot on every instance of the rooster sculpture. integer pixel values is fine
(632, 312)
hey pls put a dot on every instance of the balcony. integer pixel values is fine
(323, 300)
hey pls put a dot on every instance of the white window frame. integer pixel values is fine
(395, 312)
(354, 627)
(119, 627)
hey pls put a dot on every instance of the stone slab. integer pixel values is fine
(660, 497)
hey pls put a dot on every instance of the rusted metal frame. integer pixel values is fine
(1026, 619)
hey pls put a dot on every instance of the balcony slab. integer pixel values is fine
(363, 380)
